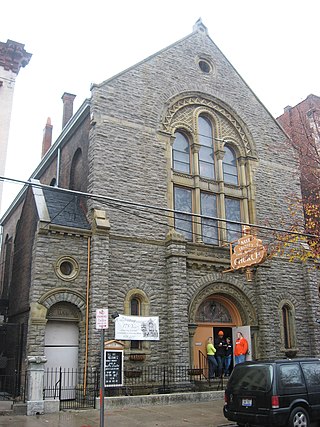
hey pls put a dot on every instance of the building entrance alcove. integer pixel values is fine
(62, 336)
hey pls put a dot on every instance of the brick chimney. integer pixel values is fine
(67, 99)
(47, 137)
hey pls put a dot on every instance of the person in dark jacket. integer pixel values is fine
(228, 356)
(220, 344)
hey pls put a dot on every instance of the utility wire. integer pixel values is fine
(154, 208)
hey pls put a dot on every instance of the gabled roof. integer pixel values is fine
(56, 207)
(64, 209)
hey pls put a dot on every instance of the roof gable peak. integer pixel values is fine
(200, 27)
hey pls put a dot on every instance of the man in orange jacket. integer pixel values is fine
(240, 349)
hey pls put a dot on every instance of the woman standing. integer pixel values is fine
(212, 363)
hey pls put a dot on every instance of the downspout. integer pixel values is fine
(87, 320)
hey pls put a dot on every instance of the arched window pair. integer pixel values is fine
(216, 195)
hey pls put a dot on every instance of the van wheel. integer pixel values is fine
(299, 418)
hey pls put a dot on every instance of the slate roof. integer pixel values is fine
(65, 210)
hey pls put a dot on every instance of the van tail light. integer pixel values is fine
(275, 402)
(225, 398)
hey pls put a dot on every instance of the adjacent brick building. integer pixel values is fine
(178, 131)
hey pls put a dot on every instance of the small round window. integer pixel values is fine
(67, 268)
(205, 66)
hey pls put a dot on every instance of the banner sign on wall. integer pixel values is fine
(137, 328)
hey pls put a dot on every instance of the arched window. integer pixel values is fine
(229, 164)
(287, 326)
(136, 303)
(206, 152)
(135, 310)
(135, 307)
(7, 267)
(76, 171)
(214, 190)
(181, 153)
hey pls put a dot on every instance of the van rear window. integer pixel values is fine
(251, 377)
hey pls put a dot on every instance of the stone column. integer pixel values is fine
(192, 330)
(177, 333)
(35, 402)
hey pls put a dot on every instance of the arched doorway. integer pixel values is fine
(62, 336)
(215, 313)
(221, 303)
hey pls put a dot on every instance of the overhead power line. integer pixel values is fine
(152, 207)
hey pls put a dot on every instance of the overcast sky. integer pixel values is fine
(273, 44)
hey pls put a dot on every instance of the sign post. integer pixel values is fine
(102, 324)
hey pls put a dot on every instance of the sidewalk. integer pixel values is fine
(198, 414)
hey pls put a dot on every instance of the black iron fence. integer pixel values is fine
(72, 387)
(164, 379)
(13, 387)
(78, 389)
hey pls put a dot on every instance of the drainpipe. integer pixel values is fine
(87, 320)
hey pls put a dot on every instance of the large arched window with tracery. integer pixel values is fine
(211, 199)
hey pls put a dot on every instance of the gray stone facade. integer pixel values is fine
(130, 249)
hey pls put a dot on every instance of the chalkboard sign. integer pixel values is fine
(113, 368)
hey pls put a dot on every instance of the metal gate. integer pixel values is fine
(74, 388)
(12, 382)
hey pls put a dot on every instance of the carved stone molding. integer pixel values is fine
(181, 108)
(233, 291)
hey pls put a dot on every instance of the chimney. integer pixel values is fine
(67, 99)
(47, 137)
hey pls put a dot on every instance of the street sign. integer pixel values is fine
(102, 318)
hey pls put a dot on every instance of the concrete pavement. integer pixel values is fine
(193, 414)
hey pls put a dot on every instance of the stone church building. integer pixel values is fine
(140, 196)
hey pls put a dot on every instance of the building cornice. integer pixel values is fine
(13, 56)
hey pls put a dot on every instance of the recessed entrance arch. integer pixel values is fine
(216, 306)
(62, 336)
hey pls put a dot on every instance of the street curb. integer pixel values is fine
(159, 399)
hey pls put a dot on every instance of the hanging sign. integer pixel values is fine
(137, 328)
(247, 252)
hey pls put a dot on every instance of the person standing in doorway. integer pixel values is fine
(228, 355)
(241, 348)
(212, 363)
(220, 345)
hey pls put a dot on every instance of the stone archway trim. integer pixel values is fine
(218, 284)
(63, 295)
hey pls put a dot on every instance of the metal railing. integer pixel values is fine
(67, 384)
(13, 387)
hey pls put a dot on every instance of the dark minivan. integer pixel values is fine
(274, 393)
